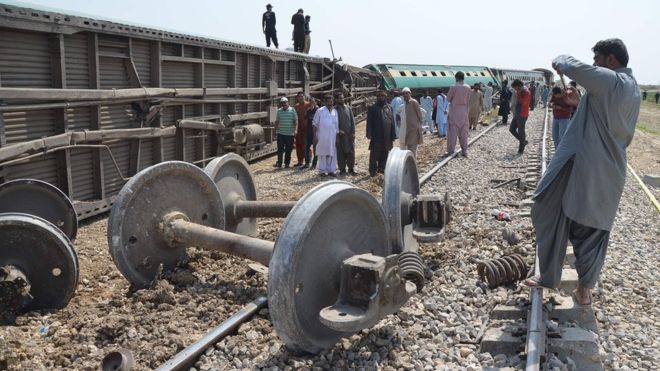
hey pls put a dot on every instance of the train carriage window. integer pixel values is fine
(467, 74)
(433, 73)
(402, 73)
(483, 74)
(413, 73)
(443, 73)
(424, 73)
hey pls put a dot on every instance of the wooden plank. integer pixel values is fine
(135, 144)
(107, 54)
(180, 136)
(3, 136)
(58, 70)
(169, 58)
(95, 116)
(156, 81)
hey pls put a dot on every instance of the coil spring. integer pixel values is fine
(502, 271)
(411, 267)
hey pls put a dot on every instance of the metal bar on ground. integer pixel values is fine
(444, 162)
(190, 353)
(209, 238)
(536, 325)
(644, 188)
(263, 209)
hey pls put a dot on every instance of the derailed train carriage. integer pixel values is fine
(421, 78)
(87, 103)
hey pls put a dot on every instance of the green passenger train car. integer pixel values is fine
(421, 77)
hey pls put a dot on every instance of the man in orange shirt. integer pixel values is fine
(302, 105)
(521, 113)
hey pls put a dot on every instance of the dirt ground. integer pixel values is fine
(644, 151)
(155, 324)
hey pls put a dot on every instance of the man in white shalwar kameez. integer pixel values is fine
(397, 103)
(427, 105)
(488, 97)
(326, 127)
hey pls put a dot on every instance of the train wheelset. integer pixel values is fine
(332, 269)
(38, 263)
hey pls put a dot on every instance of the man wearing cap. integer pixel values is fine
(410, 117)
(457, 118)
(285, 127)
(298, 22)
(268, 26)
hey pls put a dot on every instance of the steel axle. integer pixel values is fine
(179, 231)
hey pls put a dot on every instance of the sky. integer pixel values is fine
(517, 34)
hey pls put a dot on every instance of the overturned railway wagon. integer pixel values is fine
(87, 103)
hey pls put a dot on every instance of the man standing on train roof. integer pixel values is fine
(326, 127)
(579, 194)
(457, 118)
(346, 137)
(308, 37)
(302, 105)
(520, 114)
(396, 103)
(298, 22)
(380, 132)
(441, 114)
(488, 97)
(411, 118)
(505, 98)
(427, 105)
(268, 26)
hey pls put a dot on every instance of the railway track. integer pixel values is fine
(547, 329)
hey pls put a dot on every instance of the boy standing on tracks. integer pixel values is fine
(457, 118)
(579, 194)
(520, 114)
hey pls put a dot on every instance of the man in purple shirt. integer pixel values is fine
(457, 118)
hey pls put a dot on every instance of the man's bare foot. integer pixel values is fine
(582, 295)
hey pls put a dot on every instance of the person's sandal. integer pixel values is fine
(533, 283)
(577, 302)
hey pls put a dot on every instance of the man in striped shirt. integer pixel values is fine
(285, 128)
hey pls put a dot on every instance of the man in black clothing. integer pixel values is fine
(380, 132)
(505, 105)
(298, 22)
(268, 26)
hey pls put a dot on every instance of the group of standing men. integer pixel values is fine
(301, 31)
(329, 131)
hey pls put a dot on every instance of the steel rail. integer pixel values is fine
(190, 353)
(644, 188)
(536, 325)
(445, 161)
